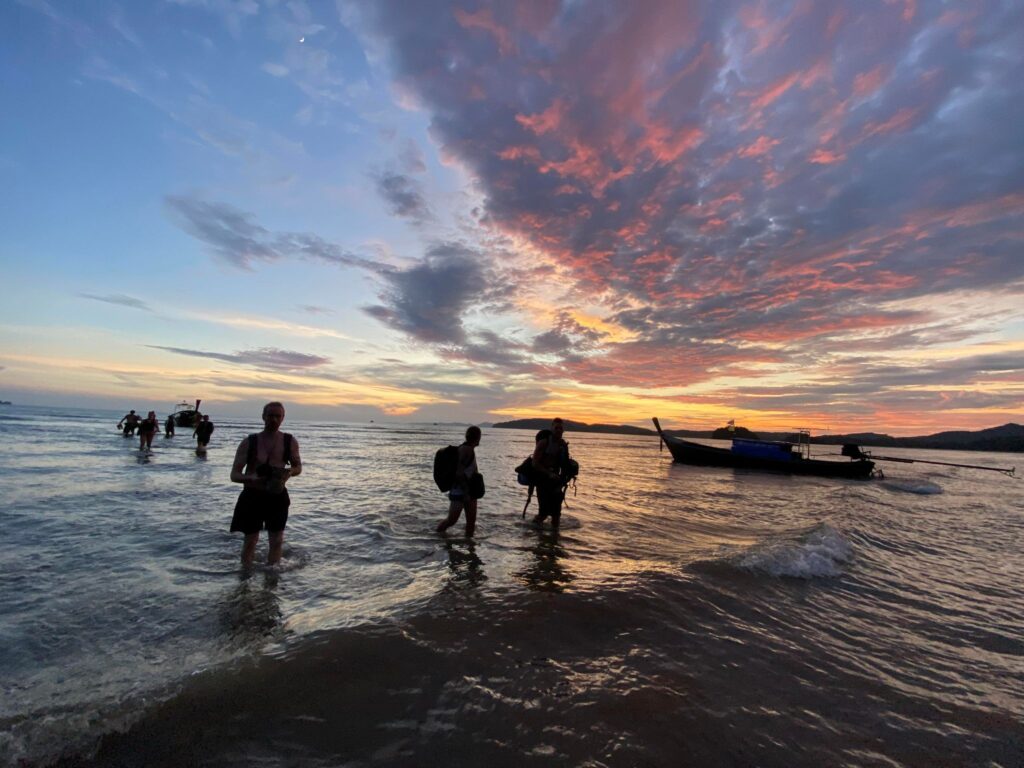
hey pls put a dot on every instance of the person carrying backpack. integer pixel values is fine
(550, 457)
(466, 485)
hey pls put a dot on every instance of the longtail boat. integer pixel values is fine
(770, 455)
(185, 414)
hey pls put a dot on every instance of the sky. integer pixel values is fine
(802, 213)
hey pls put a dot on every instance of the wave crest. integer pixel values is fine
(820, 552)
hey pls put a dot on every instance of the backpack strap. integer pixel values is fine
(250, 457)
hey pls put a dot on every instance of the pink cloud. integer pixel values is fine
(866, 83)
(483, 20)
(898, 123)
(762, 146)
(547, 121)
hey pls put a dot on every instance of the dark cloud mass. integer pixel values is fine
(403, 195)
(428, 301)
(235, 237)
(736, 182)
(265, 357)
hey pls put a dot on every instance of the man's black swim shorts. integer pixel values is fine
(258, 509)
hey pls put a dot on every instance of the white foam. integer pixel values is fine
(822, 552)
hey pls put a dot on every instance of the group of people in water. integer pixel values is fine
(149, 426)
(265, 461)
(548, 470)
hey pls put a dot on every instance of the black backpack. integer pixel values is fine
(446, 463)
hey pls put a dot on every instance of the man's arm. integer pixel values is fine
(538, 453)
(237, 473)
(296, 461)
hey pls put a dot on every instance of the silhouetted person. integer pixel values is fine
(202, 432)
(263, 464)
(169, 426)
(147, 430)
(550, 455)
(130, 421)
(461, 495)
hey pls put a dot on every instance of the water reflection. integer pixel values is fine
(546, 571)
(464, 564)
(251, 611)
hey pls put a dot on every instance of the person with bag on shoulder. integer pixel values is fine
(550, 455)
(467, 486)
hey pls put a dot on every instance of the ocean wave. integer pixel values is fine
(820, 552)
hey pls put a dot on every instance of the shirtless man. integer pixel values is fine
(130, 421)
(263, 464)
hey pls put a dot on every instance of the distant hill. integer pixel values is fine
(1008, 437)
(575, 426)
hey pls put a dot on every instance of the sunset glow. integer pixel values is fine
(782, 213)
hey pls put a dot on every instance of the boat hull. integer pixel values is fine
(185, 418)
(686, 452)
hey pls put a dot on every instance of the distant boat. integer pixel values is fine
(772, 456)
(6, 402)
(185, 414)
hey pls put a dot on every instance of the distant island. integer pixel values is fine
(1007, 438)
(575, 426)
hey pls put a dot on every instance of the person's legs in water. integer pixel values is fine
(470, 517)
(454, 510)
(276, 545)
(548, 496)
(249, 548)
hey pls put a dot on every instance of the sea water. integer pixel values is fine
(681, 616)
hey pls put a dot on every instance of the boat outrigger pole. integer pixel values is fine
(1009, 472)
(855, 452)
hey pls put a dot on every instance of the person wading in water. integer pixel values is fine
(549, 456)
(148, 428)
(462, 493)
(264, 462)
